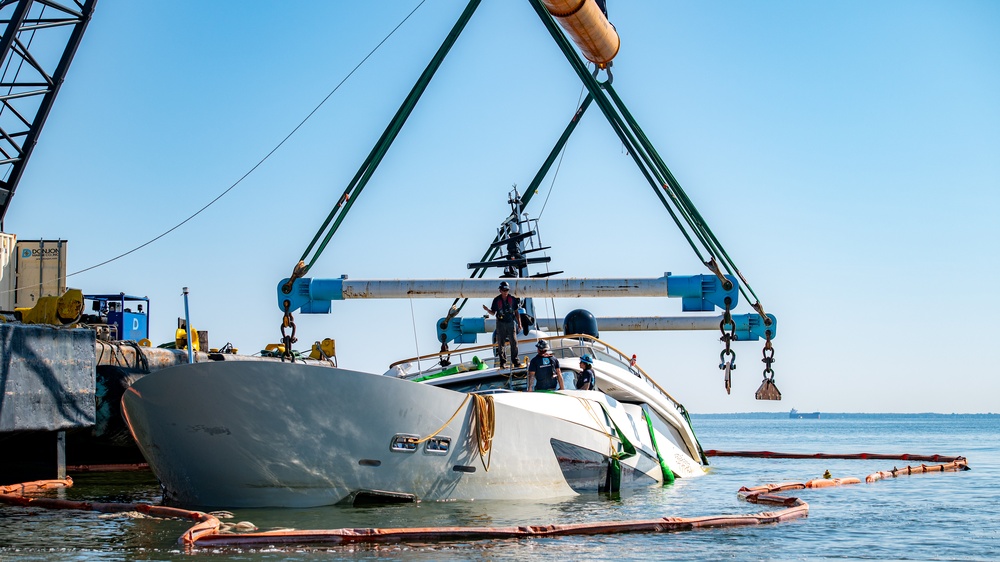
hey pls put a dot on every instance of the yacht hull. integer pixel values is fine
(256, 434)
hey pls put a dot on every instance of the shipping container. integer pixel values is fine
(41, 270)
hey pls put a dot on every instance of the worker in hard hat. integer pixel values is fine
(543, 370)
(585, 379)
(504, 307)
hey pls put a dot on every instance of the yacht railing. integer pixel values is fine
(624, 360)
(586, 344)
(448, 355)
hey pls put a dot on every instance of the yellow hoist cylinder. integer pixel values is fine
(181, 342)
(62, 310)
(588, 27)
(327, 349)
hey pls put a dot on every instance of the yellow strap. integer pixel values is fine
(440, 429)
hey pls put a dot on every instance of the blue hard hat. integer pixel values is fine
(587, 359)
(504, 285)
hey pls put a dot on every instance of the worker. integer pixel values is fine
(544, 369)
(585, 379)
(504, 307)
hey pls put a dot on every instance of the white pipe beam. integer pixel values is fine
(630, 323)
(483, 288)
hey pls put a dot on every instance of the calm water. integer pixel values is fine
(951, 516)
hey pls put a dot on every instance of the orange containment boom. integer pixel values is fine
(588, 27)
(209, 531)
(793, 508)
(954, 466)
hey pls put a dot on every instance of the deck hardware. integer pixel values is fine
(768, 390)
(288, 339)
(728, 328)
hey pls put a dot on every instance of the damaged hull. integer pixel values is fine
(252, 434)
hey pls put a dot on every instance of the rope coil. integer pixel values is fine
(484, 422)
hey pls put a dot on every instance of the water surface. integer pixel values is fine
(951, 516)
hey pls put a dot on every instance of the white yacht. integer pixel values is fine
(255, 434)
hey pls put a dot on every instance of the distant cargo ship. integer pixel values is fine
(797, 415)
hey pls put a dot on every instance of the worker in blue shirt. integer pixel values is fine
(585, 380)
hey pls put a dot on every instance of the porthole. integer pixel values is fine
(437, 445)
(404, 443)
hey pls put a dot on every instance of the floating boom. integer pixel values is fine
(588, 26)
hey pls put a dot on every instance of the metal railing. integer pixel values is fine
(585, 344)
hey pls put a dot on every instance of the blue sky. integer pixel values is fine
(847, 155)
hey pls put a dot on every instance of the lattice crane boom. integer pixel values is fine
(39, 40)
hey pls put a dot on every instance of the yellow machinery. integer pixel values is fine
(62, 310)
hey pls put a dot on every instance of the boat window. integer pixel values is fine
(662, 426)
(501, 382)
(577, 351)
(569, 377)
(404, 443)
(437, 445)
(495, 382)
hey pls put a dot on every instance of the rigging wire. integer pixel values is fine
(378, 152)
(416, 345)
(562, 154)
(480, 273)
(552, 186)
(266, 156)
